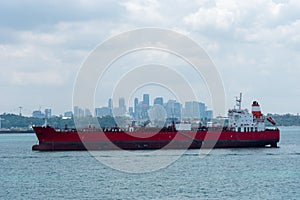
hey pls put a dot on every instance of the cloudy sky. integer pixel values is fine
(255, 45)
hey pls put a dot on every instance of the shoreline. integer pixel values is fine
(17, 132)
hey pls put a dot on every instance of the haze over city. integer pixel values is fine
(253, 44)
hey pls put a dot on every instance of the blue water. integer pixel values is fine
(257, 173)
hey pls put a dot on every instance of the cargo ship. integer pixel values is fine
(243, 129)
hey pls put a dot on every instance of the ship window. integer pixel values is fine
(245, 129)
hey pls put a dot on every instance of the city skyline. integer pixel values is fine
(140, 109)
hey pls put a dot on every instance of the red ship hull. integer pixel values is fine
(52, 140)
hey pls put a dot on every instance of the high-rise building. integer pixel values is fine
(68, 114)
(87, 112)
(169, 107)
(122, 107)
(130, 111)
(38, 114)
(202, 110)
(195, 109)
(103, 111)
(177, 110)
(208, 114)
(158, 101)
(145, 106)
(173, 109)
(78, 112)
(136, 103)
(192, 109)
(48, 113)
(146, 99)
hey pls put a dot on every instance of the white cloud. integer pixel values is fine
(144, 11)
(43, 78)
(287, 34)
(41, 38)
(220, 16)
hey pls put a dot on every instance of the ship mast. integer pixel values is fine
(239, 102)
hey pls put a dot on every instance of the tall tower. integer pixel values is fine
(136, 103)
(146, 99)
(122, 107)
(159, 101)
(110, 106)
(20, 113)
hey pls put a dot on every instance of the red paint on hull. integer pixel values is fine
(50, 139)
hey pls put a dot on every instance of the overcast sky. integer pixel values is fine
(255, 45)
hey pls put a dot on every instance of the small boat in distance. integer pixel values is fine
(244, 129)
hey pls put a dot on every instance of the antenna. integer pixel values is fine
(239, 102)
(20, 113)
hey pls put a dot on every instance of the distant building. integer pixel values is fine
(78, 112)
(130, 111)
(48, 113)
(136, 109)
(158, 101)
(177, 110)
(118, 112)
(208, 114)
(87, 113)
(202, 110)
(196, 110)
(192, 110)
(173, 109)
(38, 114)
(121, 111)
(110, 106)
(68, 114)
(146, 99)
(103, 111)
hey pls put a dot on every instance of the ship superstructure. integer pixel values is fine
(240, 120)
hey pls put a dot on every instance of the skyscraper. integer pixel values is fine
(169, 107)
(177, 110)
(136, 103)
(146, 99)
(145, 106)
(122, 106)
(48, 113)
(202, 110)
(87, 112)
(158, 101)
(136, 108)
(78, 112)
(110, 106)
(192, 109)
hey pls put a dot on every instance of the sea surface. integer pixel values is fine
(251, 173)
